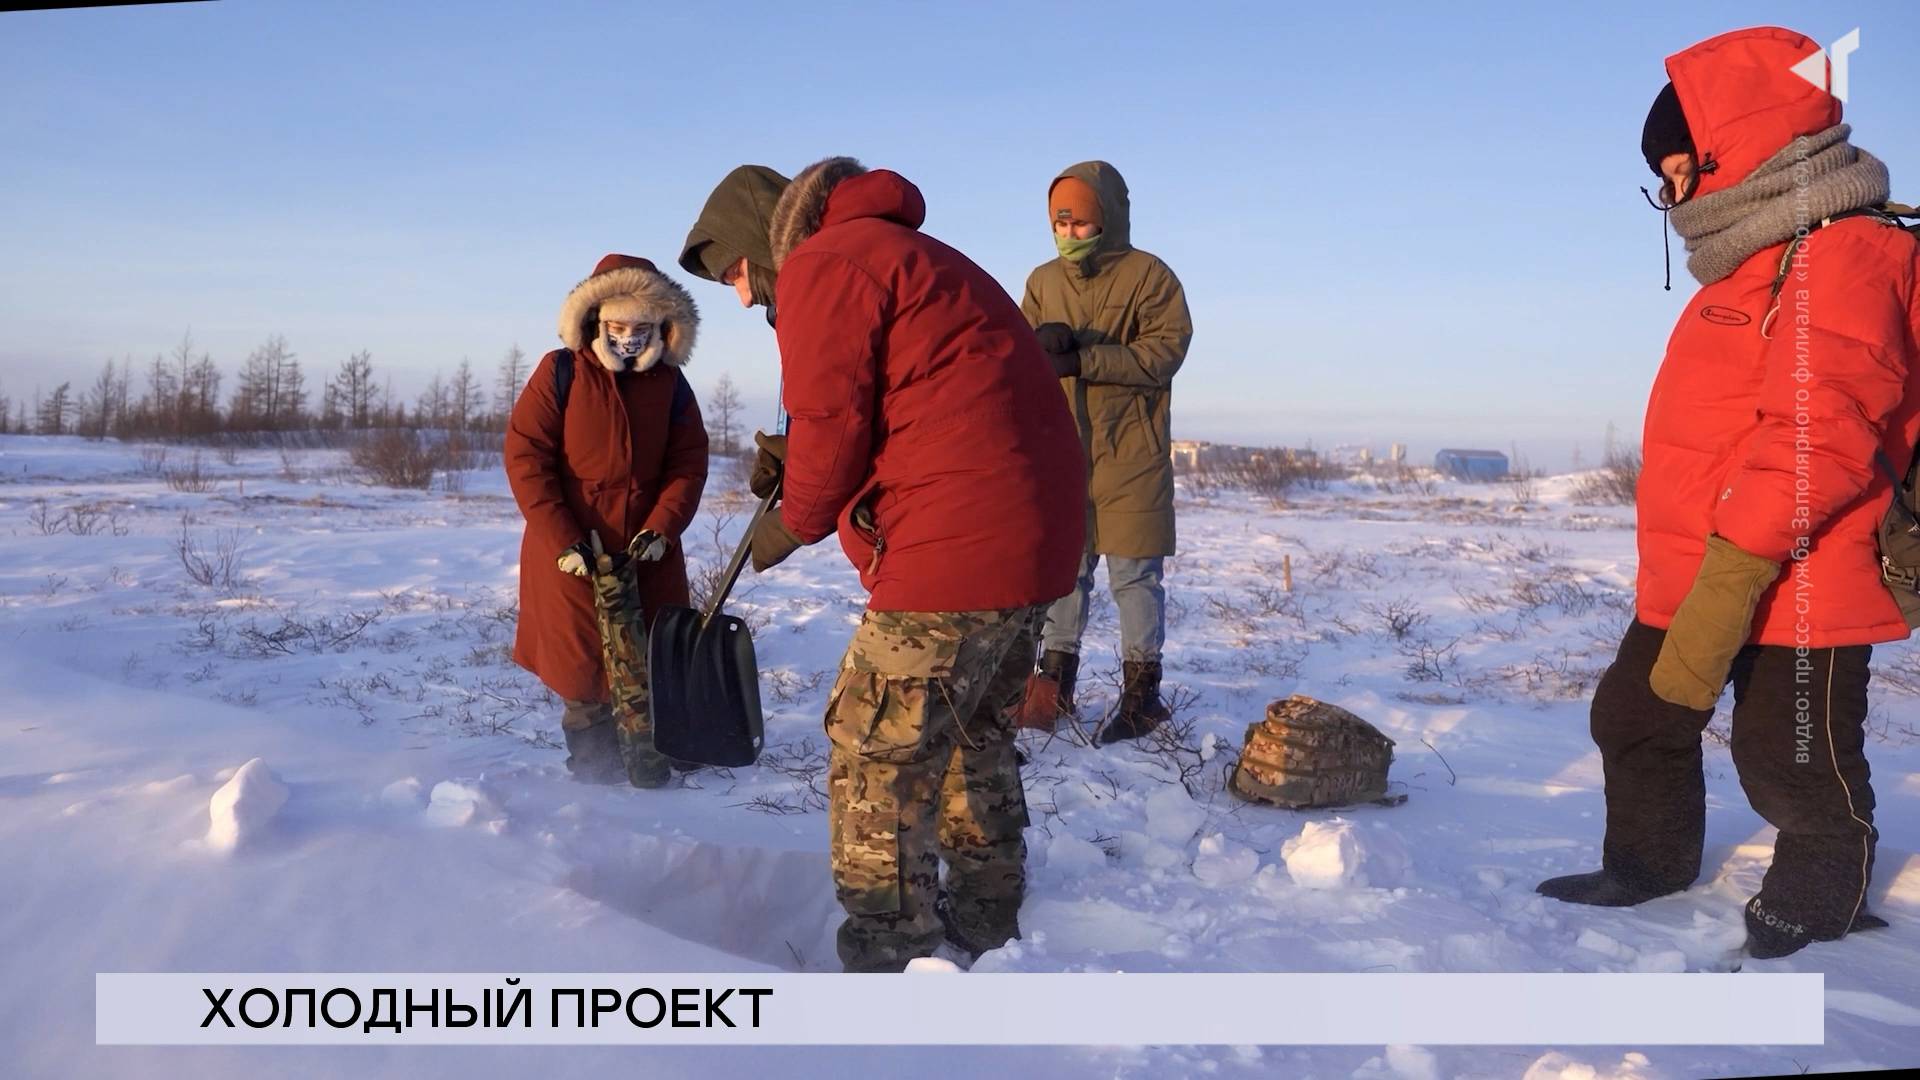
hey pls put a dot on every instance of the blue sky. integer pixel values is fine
(1393, 222)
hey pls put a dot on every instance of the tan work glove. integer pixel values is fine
(1711, 626)
(772, 543)
(769, 464)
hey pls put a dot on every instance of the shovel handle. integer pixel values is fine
(739, 559)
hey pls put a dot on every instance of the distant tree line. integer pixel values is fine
(178, 396)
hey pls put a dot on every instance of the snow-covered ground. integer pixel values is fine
(326, 762)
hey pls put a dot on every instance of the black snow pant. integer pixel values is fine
(1799, 744)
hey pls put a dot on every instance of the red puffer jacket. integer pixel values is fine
(1771, 441)
(916, 389)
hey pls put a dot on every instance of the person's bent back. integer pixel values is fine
(926, 424)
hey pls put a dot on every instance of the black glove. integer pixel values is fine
(1055, 337)
(1066, 365)
(769, 466)
(772, 542)
(649, 547)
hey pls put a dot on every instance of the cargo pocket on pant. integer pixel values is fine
(866, 860)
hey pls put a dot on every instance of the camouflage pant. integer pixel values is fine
(623, 645)
(922, 767)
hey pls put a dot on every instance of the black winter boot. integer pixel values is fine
(1141, 709)
(997, 925)
(1770, 937)
(1599, 889)
(593, 754)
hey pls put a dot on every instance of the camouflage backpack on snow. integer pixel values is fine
(1307, 754)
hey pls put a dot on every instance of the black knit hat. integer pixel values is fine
(1666, 131)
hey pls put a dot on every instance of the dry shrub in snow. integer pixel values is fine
(1614, 483)
(215, 564)
(191, 478)
(398, 457)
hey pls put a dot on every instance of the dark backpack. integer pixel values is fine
(563, 385)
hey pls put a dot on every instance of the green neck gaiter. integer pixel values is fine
(1074, 250)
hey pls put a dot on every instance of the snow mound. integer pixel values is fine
(1139, 849)
(244, 805)
(454, 804)
(403, 794)
(167, 787)
(1558, 1066)
(1222, 862)
(1327, 855)
(1173, 817)
(932, 965)
(1070, 856)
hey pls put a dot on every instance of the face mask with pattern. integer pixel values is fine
(628, 349)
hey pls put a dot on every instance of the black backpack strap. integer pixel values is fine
(562, 377)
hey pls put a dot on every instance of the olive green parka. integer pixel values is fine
(1129, 318)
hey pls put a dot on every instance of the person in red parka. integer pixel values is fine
(607, 456)
(1789, 388)
(928, 431)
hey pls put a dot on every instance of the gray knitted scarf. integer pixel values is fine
(1814, 177)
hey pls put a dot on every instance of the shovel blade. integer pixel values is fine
(705, 688)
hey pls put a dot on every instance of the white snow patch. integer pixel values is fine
(455, 803)
(1870, 1006)
(167, 787)
(1173, 817)
(1139, 849)
(244, 805)
(1413, 1063)
(1595, 941)
(1559, 1066)
(1326, 855)
(1067, 855)
(1222, 862)
(932, 965)
(1668, 961)
(404, 794)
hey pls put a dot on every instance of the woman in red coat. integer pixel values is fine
(1788, 390)
(607, 455)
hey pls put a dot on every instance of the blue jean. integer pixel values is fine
(1140, 595)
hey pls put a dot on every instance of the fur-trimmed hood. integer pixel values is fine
(802, 209)
(659, 298)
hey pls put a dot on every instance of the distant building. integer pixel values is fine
(1193, 455)
(1477, 465)
(1397, 453)
(1187, 454)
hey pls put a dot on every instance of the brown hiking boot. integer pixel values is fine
(1141, 709)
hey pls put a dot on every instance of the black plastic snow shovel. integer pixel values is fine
(704, 682)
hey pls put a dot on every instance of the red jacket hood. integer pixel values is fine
(883, 194)
(1743, 101)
